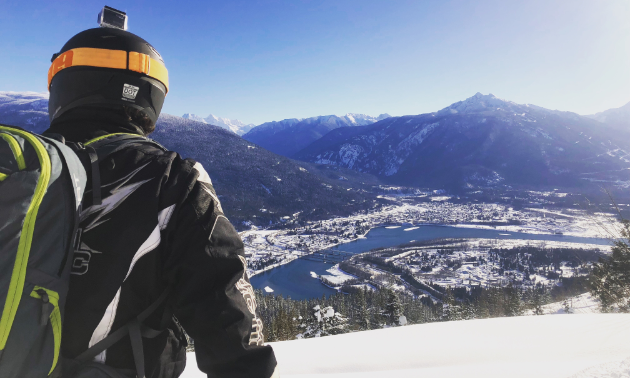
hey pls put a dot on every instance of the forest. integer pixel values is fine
(364, 308)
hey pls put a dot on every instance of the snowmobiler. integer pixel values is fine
(154, 251)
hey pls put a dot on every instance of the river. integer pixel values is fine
(295, 280)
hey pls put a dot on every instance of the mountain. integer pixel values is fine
(256, 187)
(25, 109)
(481, 141)
(234, 125)
(289, 136)
(618, 118)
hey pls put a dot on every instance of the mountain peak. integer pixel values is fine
(618, 118)
(478, 103)
(234, 125)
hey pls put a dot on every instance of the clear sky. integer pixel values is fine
(266, 60)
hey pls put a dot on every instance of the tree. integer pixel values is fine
(451, 308)
(536, 299)
(364, 316)
(512, 305)
(393, 308)
(325, 321)
(610, 277)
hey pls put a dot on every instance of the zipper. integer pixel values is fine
(16, 285)
(48, 298)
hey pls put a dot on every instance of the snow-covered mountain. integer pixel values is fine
(234, 125)
(25, 108)
(289, 136)
(480, 141)
(617, 118)
(255, 185)
(548, 346)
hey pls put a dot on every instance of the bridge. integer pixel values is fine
(328, 255)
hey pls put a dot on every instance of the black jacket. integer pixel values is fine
(160, 224)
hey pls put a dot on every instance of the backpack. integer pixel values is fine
(42, 181)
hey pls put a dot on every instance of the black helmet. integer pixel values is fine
(107, 66)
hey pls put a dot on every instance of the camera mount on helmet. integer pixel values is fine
(112, 18)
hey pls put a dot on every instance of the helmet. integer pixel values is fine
(107, 66)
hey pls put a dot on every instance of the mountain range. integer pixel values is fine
(234, 125)
(25, 109)
(481, 141)
(289, 136)
(256, 186)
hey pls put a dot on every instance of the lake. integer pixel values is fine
(295, 280)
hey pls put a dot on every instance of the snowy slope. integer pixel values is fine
(572, 346)
(234, 125)
(581, 304)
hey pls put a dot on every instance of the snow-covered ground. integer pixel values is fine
(571, 346)
(337, 276)
(581, 304)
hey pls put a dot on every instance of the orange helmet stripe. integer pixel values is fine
(117, 59)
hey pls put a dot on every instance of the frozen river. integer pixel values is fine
(295, 280)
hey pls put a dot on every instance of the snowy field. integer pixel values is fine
(558, 346)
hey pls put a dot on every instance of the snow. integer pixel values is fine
(440, 198)
(572, 346)
(337, 276)
(581, 304)
(234, 125)
(402, 320)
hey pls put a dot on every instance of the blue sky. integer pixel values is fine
(268, 60)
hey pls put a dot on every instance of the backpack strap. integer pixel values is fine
(136, 331)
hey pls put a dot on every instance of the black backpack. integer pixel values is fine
(42, 181)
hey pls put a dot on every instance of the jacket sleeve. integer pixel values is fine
(212, 297)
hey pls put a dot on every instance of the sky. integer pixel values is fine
(259, 61)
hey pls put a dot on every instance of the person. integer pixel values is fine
(158, 226)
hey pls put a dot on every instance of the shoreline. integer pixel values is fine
(505, 228)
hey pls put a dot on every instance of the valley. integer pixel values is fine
(481, 175)
(421, 218)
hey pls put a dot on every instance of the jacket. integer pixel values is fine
(160, 225)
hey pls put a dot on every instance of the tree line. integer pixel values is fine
(365, 308)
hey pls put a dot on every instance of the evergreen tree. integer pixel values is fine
(610, 277)
(363, 314)
(512, 302)
(393, 308)
(535, 299)
(451, 308)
